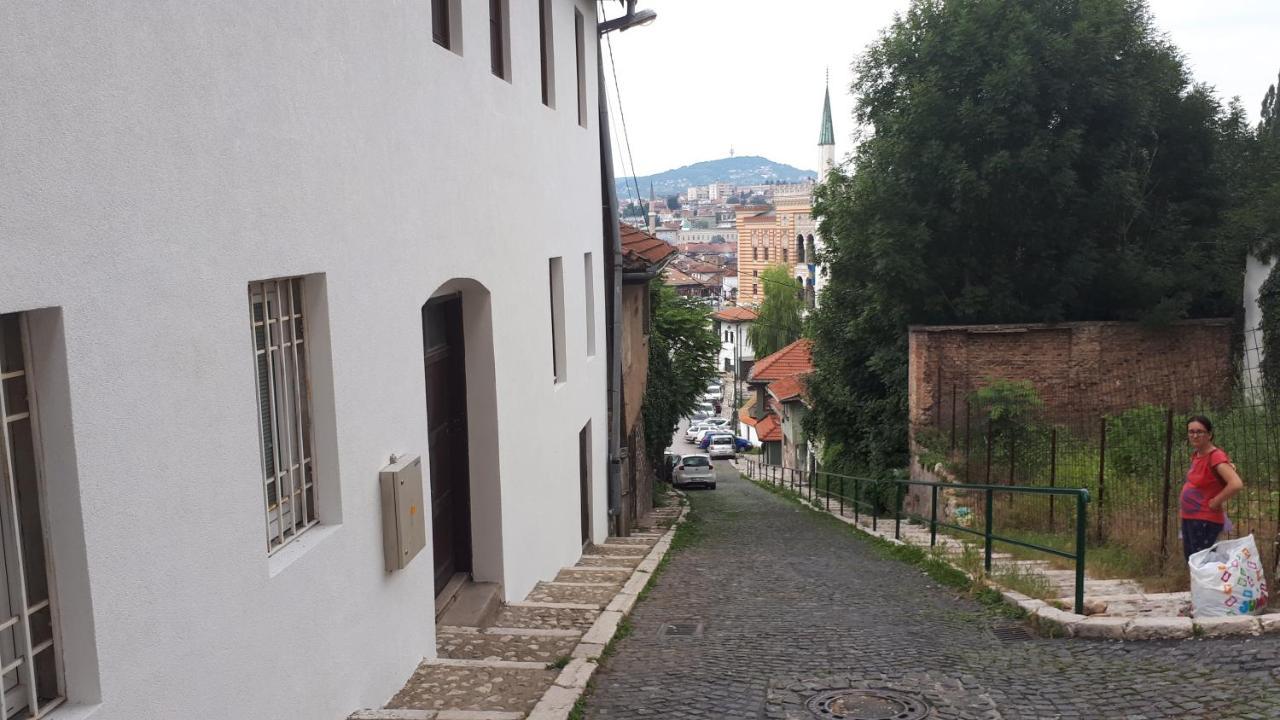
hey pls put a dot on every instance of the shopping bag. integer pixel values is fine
(1227, 579)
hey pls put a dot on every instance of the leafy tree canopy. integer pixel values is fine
(781, 318)
(1028, 160)
(682, 360)
(673, 202)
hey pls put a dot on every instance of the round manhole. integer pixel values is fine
(867, 705)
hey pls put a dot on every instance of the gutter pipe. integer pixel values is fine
(613, 251)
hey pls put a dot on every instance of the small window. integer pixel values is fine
(499, 40)
(284, 408)
(546, 50)
(755, 289)
(556, 277)
(755, 253)
(580, 47)
(784, 255)
(766, 253)
(589, 287)
(446, 24)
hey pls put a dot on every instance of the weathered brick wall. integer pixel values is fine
(1079, 369)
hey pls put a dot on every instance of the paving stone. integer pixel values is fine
(535, 617)
(591, 575)
(1216, 627)
(566, 593)
(1163, 628)
(1101, 628)
(438, 687)
(792, 597)
(523, 648)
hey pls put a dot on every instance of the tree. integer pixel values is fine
(781, 315)
(673, 202)
(1036, 160)
(682, 360)
(640, 209)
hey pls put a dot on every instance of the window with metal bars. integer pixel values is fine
(284, 408)
(30, 658)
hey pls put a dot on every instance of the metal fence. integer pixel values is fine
(1128, 449)
(859, 496)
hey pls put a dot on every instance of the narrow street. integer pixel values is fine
(779, 603)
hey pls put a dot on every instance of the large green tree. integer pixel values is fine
(780, 315)
(1025, 160)
(682, 360)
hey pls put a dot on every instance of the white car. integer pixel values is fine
(722, 446)
(692, 433)
(694, 470)
(719, 422)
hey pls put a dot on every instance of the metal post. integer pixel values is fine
(841, 496)
(1102, 474)
(857, 492)
(1168, 478)
(986, 549)
(933, 516)
(897, 511)
(990, 444)
(827, 488)
(1053, 469)
(1082, 497)
(968, 458)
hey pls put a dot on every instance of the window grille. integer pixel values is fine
(30, 658)
(284, 409)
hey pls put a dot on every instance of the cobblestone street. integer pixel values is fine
(779, 603)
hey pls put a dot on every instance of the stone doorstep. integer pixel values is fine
(402, 714)
(565, 583)
(599, 568)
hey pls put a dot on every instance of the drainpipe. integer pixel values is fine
(613, 255)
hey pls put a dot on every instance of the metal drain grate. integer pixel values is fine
(681, 629)
(1011, 632)
(867, 705)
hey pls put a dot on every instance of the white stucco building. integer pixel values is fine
(251, 252)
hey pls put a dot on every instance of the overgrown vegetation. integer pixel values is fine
(994, 186)
(780, 316)
(682, 360)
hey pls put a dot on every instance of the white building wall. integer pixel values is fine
(1255, 274)
(159, 158)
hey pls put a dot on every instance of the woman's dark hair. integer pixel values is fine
(1206, 422)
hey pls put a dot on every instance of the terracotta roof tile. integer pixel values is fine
(745, 416)
(794, 359)
(735, 313)
(641, 251)
(675, 278)
(787, 388)
(769, 429)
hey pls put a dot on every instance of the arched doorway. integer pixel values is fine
(462, 434)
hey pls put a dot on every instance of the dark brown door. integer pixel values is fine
(584, 479)
(447, 437)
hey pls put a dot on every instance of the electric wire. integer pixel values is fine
(622, 116)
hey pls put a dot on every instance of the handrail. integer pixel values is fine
(778, 475)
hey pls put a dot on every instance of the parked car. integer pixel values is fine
(742, 443)
(722, 446)
(705, 433)
(717, 421)
(691, 435)
(669, 462)
(695, 470)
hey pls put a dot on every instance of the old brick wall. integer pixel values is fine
(1079, 369)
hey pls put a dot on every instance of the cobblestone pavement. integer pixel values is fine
(791, 603)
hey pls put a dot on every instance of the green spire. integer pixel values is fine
(827, 136)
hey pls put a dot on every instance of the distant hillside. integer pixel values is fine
(744, 170)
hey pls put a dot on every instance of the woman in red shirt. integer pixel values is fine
(1211, 482)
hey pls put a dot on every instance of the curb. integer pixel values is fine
(1053, 622)
(559, 699)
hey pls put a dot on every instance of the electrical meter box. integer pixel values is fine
(404, 522)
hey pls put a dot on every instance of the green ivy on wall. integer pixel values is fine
(1269, 304)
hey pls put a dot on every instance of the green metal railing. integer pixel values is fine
(802, 482)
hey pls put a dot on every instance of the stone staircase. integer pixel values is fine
(534, 658)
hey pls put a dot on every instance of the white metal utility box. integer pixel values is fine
(404, 522)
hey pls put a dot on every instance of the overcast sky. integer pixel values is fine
(708, 75)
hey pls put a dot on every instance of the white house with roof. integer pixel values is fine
(249, 267)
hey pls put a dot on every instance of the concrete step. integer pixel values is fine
(474, 605)
(474, 686)
(515, 644)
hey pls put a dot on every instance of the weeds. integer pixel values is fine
(559, 663)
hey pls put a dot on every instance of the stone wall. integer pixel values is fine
(1080, 370)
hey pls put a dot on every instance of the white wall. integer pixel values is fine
(157, 158)
(1255, 274)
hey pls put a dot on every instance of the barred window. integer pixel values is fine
(284, 408)
(30, 655)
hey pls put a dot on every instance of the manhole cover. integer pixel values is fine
(686, 629)
(867, 705)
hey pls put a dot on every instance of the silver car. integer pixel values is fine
(694, 470)
(722, 446)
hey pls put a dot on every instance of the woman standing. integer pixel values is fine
(1211, 482)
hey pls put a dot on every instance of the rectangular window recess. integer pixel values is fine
(284, 408)
(555, 273)
(589, 288)
(546, 52)
(499, 44)
(580, 48)
(30, 643)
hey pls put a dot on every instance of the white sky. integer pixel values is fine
(710, 74)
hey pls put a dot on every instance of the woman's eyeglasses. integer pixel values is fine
(1197, 432)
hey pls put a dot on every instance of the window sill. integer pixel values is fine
(301, 546)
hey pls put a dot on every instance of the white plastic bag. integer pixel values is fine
(1227, 579)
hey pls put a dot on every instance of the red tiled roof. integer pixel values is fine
(745, 416)
(769, 429)
(724, 248)
(787, 388)
(642, 250)
(794, 359)
(675, 278)
(735, 313)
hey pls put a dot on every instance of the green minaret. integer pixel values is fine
(827, 136)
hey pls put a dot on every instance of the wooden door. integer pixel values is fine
(442, 340)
